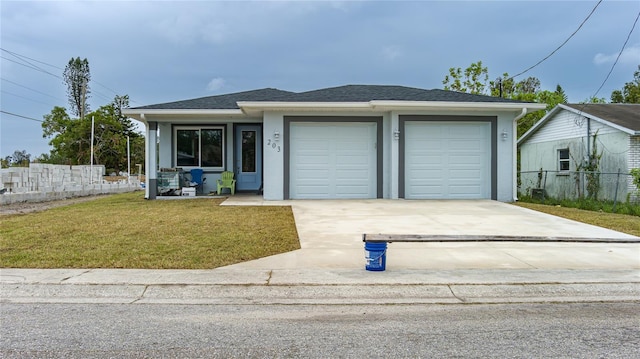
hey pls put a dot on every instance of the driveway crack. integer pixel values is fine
(455, 295)
(519, 260)
(144, 291)
(75, 275)
(269, 279)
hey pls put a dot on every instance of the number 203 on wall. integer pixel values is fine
(273, 145)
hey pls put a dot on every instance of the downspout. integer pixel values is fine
(515, 153)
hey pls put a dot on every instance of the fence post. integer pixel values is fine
(544, 185)
(615, 197)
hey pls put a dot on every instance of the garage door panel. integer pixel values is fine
(467, 161)
(465, 175)
(312, 174)
(344, 159)
(447, 160)
(313, 192)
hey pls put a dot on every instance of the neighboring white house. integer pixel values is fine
(564, 139)
(355, 141)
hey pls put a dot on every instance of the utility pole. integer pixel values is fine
(83, 98)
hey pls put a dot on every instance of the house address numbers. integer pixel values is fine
(274, 146)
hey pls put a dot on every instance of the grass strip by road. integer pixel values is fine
(618, 222)
(127, 231)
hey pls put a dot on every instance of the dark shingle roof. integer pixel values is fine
(625, 115)
(227, 101)
(366, 93)
(348, 93)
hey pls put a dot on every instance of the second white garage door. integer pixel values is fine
(447, 160)
(332, 160)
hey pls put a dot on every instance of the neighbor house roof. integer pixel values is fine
(624, 117)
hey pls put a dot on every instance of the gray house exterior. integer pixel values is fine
(347, 142)
(564, 138)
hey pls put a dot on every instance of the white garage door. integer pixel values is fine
(445, 160)
(332, 160)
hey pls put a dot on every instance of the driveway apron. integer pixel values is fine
(330, 233)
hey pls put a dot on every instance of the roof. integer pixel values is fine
(624, 117)
(227, 101)
(622, 114)
(348, 93)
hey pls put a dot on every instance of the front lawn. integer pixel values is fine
(618, 222)
(127, 231)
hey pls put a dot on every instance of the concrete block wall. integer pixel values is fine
(45, 182)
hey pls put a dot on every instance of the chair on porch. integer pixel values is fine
(197, 180)
(226, 181)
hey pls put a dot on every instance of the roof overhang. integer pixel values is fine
(142, 114)
(380, 106)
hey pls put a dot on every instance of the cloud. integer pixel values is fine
(630, 56)
(215, 84)
(391, 52)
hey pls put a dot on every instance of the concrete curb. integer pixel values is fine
(302, 287)
(318, 294)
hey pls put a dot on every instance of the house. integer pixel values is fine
(348, 142)
(562, 142)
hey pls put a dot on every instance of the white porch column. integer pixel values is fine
(273, 154)
(394, 159)
(151, 165)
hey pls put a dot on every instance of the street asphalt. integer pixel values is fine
(330, 266)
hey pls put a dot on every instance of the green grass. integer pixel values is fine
(621, 207)
(127, 231)
(617, 222)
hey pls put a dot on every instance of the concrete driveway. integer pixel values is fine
(330, 233)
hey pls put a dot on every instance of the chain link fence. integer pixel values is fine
(602, 186)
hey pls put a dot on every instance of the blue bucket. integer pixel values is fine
(375, 254)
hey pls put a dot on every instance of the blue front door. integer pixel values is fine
(248, 155)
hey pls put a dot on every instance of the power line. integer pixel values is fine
(16, 115)
(26, 57)
(29, 88)
(618, 57)
(30, 66)
(561, 45)
(37, 68)
(26, 98)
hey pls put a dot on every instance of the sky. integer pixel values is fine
(161, 51)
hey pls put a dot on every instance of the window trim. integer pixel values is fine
(222, 128)
(564, 160)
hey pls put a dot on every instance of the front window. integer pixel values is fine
(563, 160)
(199, 147)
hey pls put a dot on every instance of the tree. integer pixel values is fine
(474, 80)
(71, 138)
(18, 159)
(527, 90)
(594, 99)
(67, 137)
(630, 93)
(21, 158)
(551, 98)
(76, 76)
